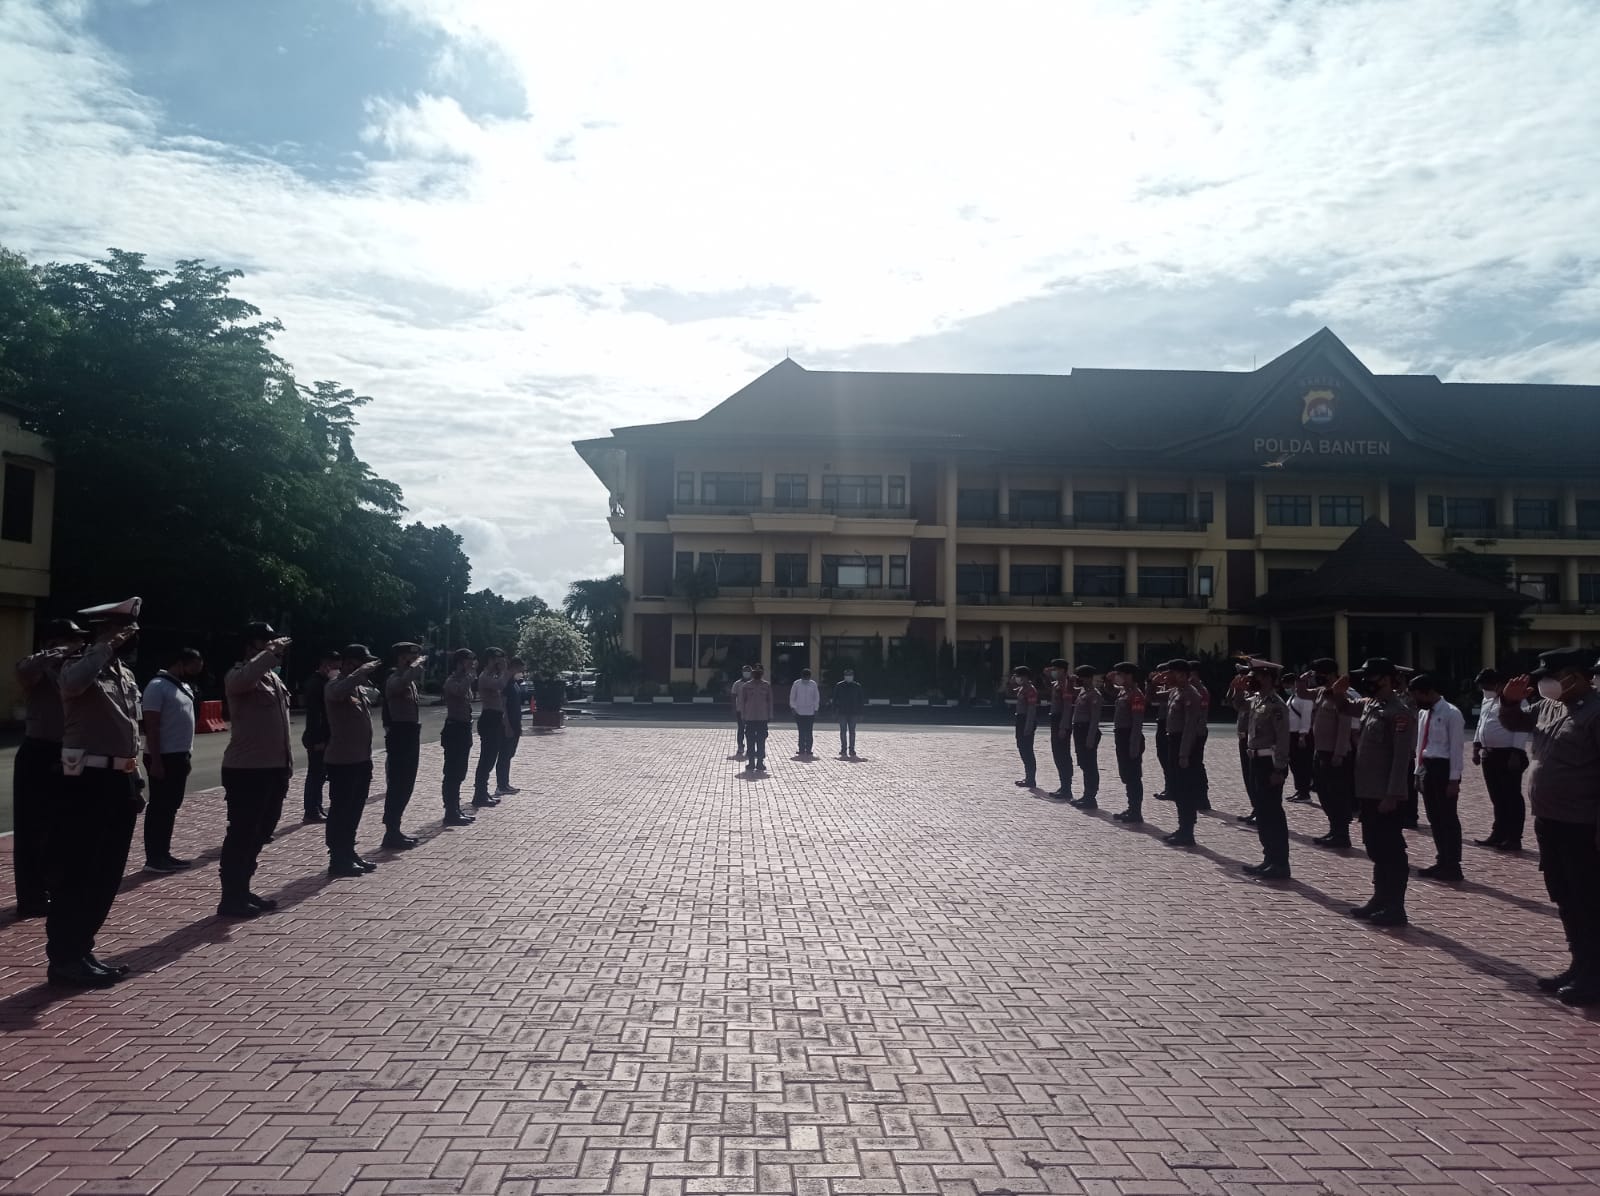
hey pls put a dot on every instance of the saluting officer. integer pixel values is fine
(1086, 735)
(1186, 729)
(1058, 675)
(491, 723)
(256, 766)
(1239, 695)
(1127, 736)
(456, 735)
(1268, 743)
(1386, 748)
(402, 740)
(1332, 759)
(36, 771)
(349, 758)
(99, 800)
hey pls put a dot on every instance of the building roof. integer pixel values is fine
(1376, 570)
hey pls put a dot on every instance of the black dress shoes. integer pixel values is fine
(1449, 872)
(1491, 841)
(1364, 912)
(119, 970)
(79, 973)
(1247, 819)
(1339, 841)
(1179, 839)
(1389, 916)
(1274, 872)
(395, 841)
(1580, 992)
(265, 904)
(1085, 803)
(1255, 869)
(237, 908)
(315, 816)
(486, 801)
(457, 818)
(364, 864)
(346, 868)
(1554, 984)
(1510, 846)
(1133, 817)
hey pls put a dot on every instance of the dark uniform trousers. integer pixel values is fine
(1130, 768)
(1164, 757)
(1061, 748)
(806, 729)
(91, 832)
(255, 798)
(1570, 861)
(1086, 742)
(456, 739)
(1301, 765)
(316, 778)
(349, 786)
(35, 785)
(1187, 788)
(491, 731)
(403, 742)
(1444, 819)
(1335, 786)
(502, 760)
(1502, 776)
(1247, 773)
(166, 796)
(1384, 837)
(740, 723)
(756, 731)
(1030, 762)
(1266, 803)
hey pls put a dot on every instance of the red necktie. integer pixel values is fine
(1427, 733)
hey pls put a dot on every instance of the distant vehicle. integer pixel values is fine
(580, 684)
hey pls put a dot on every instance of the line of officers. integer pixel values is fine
(79, 789)
(1377, 734)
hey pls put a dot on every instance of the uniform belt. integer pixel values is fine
(115, 763)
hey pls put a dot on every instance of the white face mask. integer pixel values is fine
(1550, 687)
(1491, 693)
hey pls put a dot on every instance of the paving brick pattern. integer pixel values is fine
(649, 974)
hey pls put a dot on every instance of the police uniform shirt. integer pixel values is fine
(1156, 700)
(1564, 756)
(458, 698)
(349, 721)
(401, 692)
(492, 691)
(1061, 697)
(100, 705)
(1127, 714)
(1386, 746)
(1186, 719)
(258, 709)
(41, 677)
(1268, 730)
(1086, 709)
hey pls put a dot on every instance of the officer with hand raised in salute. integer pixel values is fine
(256, 766)
(1386, 748)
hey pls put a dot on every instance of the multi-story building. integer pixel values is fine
(1100, 515)
(27, 501)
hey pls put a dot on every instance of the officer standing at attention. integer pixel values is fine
(36, 771)
(1155, 701)
(98, 802)
(1441, 759)
(1268, 743)
(1187, 710)
(849, 700)
(755, 706)
(1332, 759)
(804, 701)
(746, 674)
(349, 758)
(402, 741)
(1503, 756)
(516, 705)
(1239, 696)
(1058, 676)
(1127, 736)
(1027, 719)
(1086, 735)
(1302, 756)
(315, 736)
(1202, 692)
(456, 736)
(491, 724)
(1386, 752)
(1564, 791)
(256, 766)
(168, 747)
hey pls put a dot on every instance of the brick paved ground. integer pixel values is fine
(647, 974)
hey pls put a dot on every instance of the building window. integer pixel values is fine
(1475, 513)
(977, 579)
(1534, 514)
(1163, 508)
(1589, 514)
(1036, 506)
(1340, 510)
(1097, 581)
(975, 505)
(852, 491)
(1205, 580)
(1205, 507)
(849, 651)
(730, 489)
(791, 490)
(1288, 510)
(1589, 589)
(1036, 579)
(1097, 506)
(733, 568)
(682, 564)
(897, 573)
(686, 488)
(897, 491)
(852, 572)
(683, 651)
(790, 568)
(16, 513)
(1542, 587)
(1163, 581)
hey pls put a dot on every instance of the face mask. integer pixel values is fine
(849, 676)
(1491, 693)
(746, 674)
(1551, 687)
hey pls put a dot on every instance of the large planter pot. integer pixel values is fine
(547, 720)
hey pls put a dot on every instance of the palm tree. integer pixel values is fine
(597, 604)
(696, 587)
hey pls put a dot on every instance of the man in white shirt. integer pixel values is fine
(1503, 756)
(1301, 754)
(805, 699)
(1441, 758)
(168, 705)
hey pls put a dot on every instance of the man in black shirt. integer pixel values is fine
(315, 735)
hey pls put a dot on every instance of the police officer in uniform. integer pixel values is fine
(456, 736)
(99, 800)
(349, 758)
(402, 741)
(1186, 731)
(1086, 735)
(491, 724)
(315, 736)
(1386, 748)
(256, 767)
(1268, 743)
(1332, 760)
(1239, 695)
(1127, 736)
(36, 771)
(1058, 675)
(1156, 698)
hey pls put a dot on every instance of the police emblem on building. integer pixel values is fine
(1317, 407)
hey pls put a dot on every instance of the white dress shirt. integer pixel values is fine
(1491, 733)
(1300, 716)
(804, 697)
(1441, 735)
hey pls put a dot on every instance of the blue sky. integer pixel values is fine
(515, 223)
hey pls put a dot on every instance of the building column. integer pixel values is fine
(766, 643)
(1569, 579)
(769, 570)
(1569, 513)
(1069, 642)
(1130, 643)
(814, 646)
(1004, 569)
(1003, 494)
(1486, 644)
(1069, 561)
(1130, 572)
(1508, 508)
(631, 569)
(951, 485)
(1383, 501)
(1005, 649)
(1130, 499)
(814, 563)
(1066, 497)
(1341, 640)
(1275, 640)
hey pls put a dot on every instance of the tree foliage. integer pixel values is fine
(552, 644)
(487, 620)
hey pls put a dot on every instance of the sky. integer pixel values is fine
(516, 223)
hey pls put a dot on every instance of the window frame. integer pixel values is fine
(747, 483)
(1274, 505)
(783, 569)
(1173, 579)
(1049, 510)
(1099, 581)
(19, 503)
(1176, 500)
(1333, 503)
(1112, 501)
(784, 486)
(870, 486)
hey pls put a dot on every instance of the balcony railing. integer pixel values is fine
(1564, 608)
(1176, 602)
(837, 593)
(771, 506)
(1504, 532)
(1077, 523)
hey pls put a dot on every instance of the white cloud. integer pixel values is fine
(1420, 176)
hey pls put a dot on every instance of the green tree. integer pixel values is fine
(598, 605)
(551, 644)
(486, 620)
(696, 587)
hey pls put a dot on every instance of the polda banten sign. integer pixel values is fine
(1325, 446)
